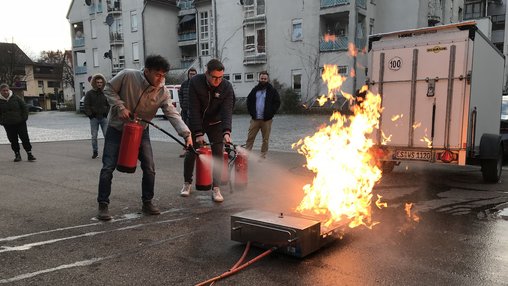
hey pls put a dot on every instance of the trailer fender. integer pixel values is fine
(489, 146)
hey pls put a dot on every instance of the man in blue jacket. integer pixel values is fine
(211, 101)
(262, 102)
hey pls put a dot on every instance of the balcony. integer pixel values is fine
(80, 70)
(114, 7)
(337, 44)
(190, 36)
(185, 5)
(254, 58)
(186, 62)
(333, 3)
(78, 42)
(361, 4)
(116, 38)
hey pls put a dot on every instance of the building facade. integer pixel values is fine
(291, 39)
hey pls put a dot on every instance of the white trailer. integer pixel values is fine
(441, 90)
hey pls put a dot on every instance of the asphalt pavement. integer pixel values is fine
(49, 234)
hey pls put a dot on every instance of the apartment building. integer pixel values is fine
(291, 39)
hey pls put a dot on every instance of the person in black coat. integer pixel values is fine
(211, 102)
(263, 102)
(13, 116)
(97, 109)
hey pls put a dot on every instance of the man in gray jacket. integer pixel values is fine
(97, 108)
(141, 93)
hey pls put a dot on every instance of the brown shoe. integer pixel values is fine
(103, 212)
(150, 209)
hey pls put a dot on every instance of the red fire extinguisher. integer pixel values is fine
(129, 147)
(241, 169)
(225, 170)
(204, 169)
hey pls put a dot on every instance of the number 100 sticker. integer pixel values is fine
(395, 63)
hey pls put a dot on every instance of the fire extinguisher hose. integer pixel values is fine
(169, 134)
(237, 268)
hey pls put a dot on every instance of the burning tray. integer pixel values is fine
(292, 234)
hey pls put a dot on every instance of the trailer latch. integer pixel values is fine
(431, 86)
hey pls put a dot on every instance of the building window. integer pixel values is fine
(40, 83)
(93, 29)
(342, 70)
(296, 80)
(260, 9)
(473, 10)
(297, 34)
(237, 77)
(134, 21)
(53, 84)
(135, 52)
(205, 51)
(226, 76)
(203, 26)
(99, 6)
(95, 57)
(249, 76)
(261, 40)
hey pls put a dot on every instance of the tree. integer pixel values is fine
(64, 61)
(13, 62)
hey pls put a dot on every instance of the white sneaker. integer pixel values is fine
(186, 189)
(216, 196)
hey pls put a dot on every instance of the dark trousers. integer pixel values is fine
(15, 130)
(109, 162)
(214, 134)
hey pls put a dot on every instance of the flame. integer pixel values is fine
(426, 139)
(397, 117)
(338, 154)
(416, 125)
(385, 139)
(410, 215)
(334, 79)
(352, 50)
(329, 38)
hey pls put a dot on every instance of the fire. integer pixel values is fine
(329, 38)
(410, 215)
(338, 154)
(334, 79)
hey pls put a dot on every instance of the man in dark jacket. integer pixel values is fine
(262, 102)
(183, 97)
(97, 108)
(13, 116)
(211, 100)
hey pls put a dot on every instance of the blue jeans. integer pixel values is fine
(94, 129)
(110, 158)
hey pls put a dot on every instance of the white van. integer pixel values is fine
(173, 92)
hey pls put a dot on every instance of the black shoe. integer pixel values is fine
(17, 157)
(150, 209)
(95, 155)
(103, 212)
(31, 157)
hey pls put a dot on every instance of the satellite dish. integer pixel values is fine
(110, 20)
(88, 2)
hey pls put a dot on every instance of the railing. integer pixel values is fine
(361, 4)
(184, 5)
(80, 70)
(254, 58)
(187, 36)
(186, 63)
(339, 43)
(332, 3)
(78, 42)
(115, 37)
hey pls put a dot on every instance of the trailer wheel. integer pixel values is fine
(491, 168)
(387, 166)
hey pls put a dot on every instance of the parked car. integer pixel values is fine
(173, 92)
(33, 108)
(504, 125)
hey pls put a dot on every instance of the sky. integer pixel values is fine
(36, 25)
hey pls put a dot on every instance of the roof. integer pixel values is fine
(20, 58)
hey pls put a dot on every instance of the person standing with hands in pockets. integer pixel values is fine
(97, 108)
(183, 97)
(136, 93)
(211, 102)
(262, 102)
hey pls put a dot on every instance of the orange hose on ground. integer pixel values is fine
(247, 247)
(233, 271)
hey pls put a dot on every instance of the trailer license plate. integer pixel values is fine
(413, 155)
